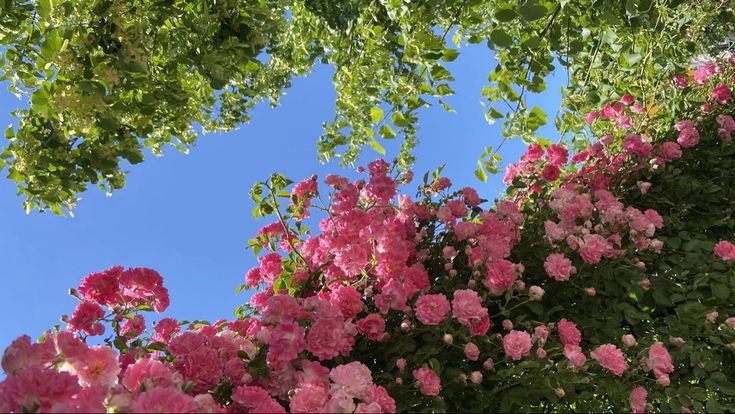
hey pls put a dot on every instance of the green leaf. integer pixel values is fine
(377, 147)
(480, 172)
(92, 87)
(536, 118)
(450, 55)
(387, 132)
(532, 12)
(376, 114)
(500, 38)
(505, 15)
(399, 120)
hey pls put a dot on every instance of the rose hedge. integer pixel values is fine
(600, 283)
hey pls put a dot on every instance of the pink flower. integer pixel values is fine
(373, 326)
(559, 267)
(254, 399)
(393, 296)
(712, 316)
(557, 155)
(165, 329)
(535, 293)
(467, 307)
(429, 382)
(37, 389)
(634, 144)
(355, 379)
(500, 276)
(627, 99)
(309, 399)
(102, 287)
(703, 73)
(131, 328)
(470, 197)
(379, 394)
(681, 82)
(541, 334)
(330, 337)
(98, 366)
(348, 300)
(476, 377)
(517, 344)
(628, 340)
(658, 360)
(432, 309)
(591, 291)
(286, 341)
(725, 250)
(270, 267)
(550, 173)
(145, 286)
(471, 351)
(540, 353)
(86, 319)
(645, 283)
(730, 322)
(575, 355)
(593, 248)
(610, 358)
(22, 354)
(670, 151)
(164, 400)
(638, 400)
(147, 373)
(568, 332)
(591, 116)
(721, 93)
(688, 137)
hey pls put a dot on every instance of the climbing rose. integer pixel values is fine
(550, 173)
(429, 382)
(688, 137)
(472, 351)
(638, 400)
(164, 400)
(658, 360)
(559, 267)
(610, 358)
(354, 379)
(86, 319)
(432, 309)
(721, 93)
(725, 250)
(372, 326)
(568, 332)
(467, 307)
(517, 344)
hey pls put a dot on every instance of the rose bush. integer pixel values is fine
(601, 282)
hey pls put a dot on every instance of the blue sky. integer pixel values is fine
(189, 216)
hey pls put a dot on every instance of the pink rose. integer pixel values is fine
(721, 93)
(472, 351)
(610, 358)
(550, 173)
(638, 400)
(688, 137)
(372, 326)
(517, 344)
(568, 332)
(725, 250)
(559, 267)
(432, 309)
(429, 382)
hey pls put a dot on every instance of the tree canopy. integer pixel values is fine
(101, 80)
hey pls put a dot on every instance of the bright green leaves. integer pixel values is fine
(531, 10)
(489, 162)
(501, 38)
(376, 115)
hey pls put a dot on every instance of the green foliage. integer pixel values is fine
(105, 78)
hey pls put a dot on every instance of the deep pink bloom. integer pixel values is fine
(627, 99)
(98, 366)
(568, 332)
(638, 400)
(575, 355)
(500, 276)
(591, 116)
(429, 382)
(550, 173)
(470, 197)
(721, 93)
(145, 286)
(517, 344)
(725, 250)
(557, 155)
(102, 287)
(131, 328)
(467, 307)
(670, 151)
(286, 341)
(379, 394)
(681, 81)
(594, 247)
(432, 309)
(610, 358)
(688, 137)
(86, 319)
(373, 326)
(348, 300)
(165, 329)
(254, 399)
(559, 267)
(164, 400)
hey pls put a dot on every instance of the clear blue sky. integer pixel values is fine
(188, 216)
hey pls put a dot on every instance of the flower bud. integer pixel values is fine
(559, 392)
(401, 364)
(628, 340)
(472, 351)
(712, 316)
(472, 284)
(476, 377)
(541, 353)
(488, 364)
(536, 293)
(664, 380)
(507, 324)
(448, 339)
(591, 291)
(452, 273)
(405, 325)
